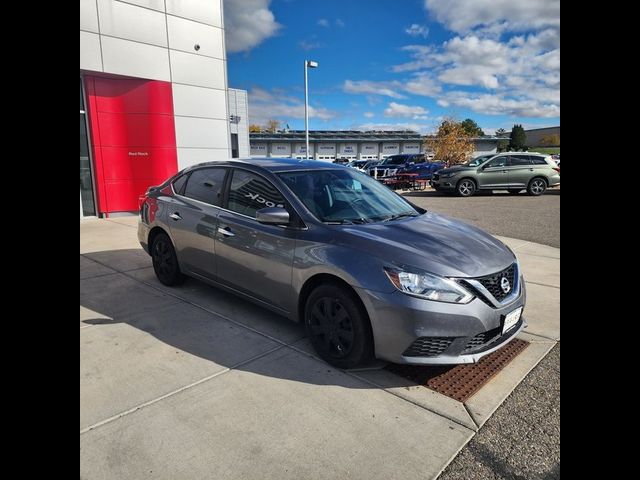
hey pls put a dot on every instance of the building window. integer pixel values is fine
(235, 152)
(87, 203)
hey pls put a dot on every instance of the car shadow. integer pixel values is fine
(209, 323)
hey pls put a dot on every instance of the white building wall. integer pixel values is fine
(156, 39)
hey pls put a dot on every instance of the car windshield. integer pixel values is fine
(346, 196)
(476, 162)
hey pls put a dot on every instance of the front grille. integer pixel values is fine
(435, 176)
(492, 282)
(428, 346)
(484, 340)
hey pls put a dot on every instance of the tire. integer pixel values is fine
(537, 186)
(165, 261)
(338, 327)
(465, 187)
(514, 191)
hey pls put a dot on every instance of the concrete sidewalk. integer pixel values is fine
(191, 382)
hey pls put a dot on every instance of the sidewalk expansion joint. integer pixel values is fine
(354, 375)
(178, 297)
(178, 390)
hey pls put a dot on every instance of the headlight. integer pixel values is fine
(426, 285)
(447, 175)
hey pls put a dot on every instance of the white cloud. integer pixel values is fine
(306, 46)
(495, 16)
(416, 30)
(416, 127)
(405, 111)
(264, 105)
(247, 24)
(423, 84)
(369, 114)
(420, 53)
(497, 104)
(388, 89)
(323, 22)
(340, 23)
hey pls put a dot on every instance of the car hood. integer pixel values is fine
(432, 242)
(458, 168)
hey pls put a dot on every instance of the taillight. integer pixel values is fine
(557, 169)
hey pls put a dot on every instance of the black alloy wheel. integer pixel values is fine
(165, 262)
(338, 328)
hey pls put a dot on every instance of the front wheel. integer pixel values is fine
(536, 186)
(465, 187)
(338, 327)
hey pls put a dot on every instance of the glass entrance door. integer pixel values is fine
(87, 203)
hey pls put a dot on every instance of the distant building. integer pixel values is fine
(329, 145)
(536, 135)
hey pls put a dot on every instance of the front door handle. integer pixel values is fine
(176, 216)
(226, 232)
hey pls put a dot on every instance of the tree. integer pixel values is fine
(451, 144)
(255, 128)
(272, 126)
(500, 132)
(472, 128)
(518, 139)
(550, 140)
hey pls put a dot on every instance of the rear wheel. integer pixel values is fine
(338, 327)
(536, 186)
(165, 261)
(466, 187)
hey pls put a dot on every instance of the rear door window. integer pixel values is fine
(535, 160)
(205, 185)
(520, 160)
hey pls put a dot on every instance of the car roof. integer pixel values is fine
(273, 164)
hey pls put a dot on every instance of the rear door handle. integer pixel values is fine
(226, 232)
(176, 216)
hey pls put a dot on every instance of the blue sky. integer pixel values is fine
(388, 64)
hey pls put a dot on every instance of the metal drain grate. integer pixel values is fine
(460, 382)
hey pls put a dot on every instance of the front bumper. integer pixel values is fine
(398, 320)
(444, 184)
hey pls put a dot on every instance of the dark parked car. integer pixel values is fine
(391, 164)
(368, 273)
(424, 170)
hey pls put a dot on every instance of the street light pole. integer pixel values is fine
(310, 64)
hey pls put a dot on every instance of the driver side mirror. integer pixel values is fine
(273, 216)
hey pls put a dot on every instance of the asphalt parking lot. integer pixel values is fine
(535, 219)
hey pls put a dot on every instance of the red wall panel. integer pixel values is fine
(133, 138)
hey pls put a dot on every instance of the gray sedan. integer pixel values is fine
(368, 273)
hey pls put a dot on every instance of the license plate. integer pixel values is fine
(511, 319)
